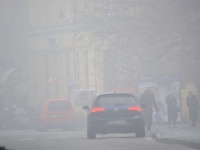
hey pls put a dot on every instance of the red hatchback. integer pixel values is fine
(56, 113)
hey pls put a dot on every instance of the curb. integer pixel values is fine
(190, 144)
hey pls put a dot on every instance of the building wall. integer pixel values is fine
(13, 25)
(13, 50)
(68, 55)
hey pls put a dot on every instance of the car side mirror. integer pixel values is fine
(86, 107)
(143, 106)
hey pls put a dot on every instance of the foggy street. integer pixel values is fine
(99, 74)
(58, 140)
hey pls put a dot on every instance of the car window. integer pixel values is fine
(111, 100)
(59, 106)
(20, 110)
(29, 109)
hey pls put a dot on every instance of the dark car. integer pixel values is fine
(20, 116)
(114, 113)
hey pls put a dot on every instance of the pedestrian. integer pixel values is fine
(172, 111)
(192, 103)
(147, 101)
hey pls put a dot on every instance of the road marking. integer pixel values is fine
(27, 139)
(58, 137)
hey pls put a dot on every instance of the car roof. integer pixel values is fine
(59, 99)
(115, 93)
(20, 106)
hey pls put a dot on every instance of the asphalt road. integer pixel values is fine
(59, 140)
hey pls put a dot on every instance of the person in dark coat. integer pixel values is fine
(171, 109)
(147, 101)
(192, 103)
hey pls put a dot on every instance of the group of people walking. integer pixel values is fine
(147, 101)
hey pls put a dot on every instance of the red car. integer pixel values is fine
(56, 113)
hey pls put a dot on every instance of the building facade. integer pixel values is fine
(59, 50)
(13, 51)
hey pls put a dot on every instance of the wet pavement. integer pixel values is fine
(59, 140)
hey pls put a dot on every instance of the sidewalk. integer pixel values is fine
(183, 134)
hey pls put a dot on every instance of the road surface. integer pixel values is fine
(58, 140)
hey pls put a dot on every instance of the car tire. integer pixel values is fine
(43, 130)
(72, 127)
(140, 133)
(40, 128)
(37, 127)
(91, 134)
(65, 129)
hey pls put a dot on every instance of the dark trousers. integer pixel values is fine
(193, 116)
(148, 120)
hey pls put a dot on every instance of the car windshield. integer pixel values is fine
(29, 109)
(112, 100)
(59, 106)
(20, 110)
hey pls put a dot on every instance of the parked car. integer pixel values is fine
(20, 117)
(114, 113)
(56, 113)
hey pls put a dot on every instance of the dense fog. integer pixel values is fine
(83, 69)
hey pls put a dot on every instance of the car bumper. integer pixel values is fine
(132, 126)
(23, 122)
(58, 125)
